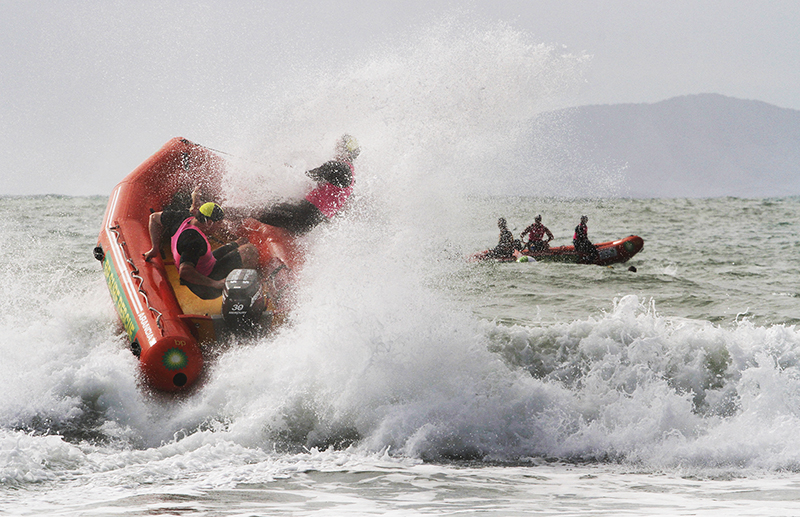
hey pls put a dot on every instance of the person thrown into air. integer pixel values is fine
(335, 179)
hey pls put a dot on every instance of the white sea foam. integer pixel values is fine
(398, 350)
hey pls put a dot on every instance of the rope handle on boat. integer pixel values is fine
(134, 272)
(272, 278)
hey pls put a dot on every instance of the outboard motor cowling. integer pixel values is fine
(243, 301)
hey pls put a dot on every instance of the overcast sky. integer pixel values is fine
(89, 89)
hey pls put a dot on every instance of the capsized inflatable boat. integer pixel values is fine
(167, 326)
(612, 252)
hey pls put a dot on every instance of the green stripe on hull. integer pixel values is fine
(120, 301)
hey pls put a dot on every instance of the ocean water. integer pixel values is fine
(434, 387)
(408, 380)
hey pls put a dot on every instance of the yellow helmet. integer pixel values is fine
(210, 211)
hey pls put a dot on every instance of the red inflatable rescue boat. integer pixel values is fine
(612, 252)
(167, 325)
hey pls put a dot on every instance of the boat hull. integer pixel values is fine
(166, 326)
(612, 252)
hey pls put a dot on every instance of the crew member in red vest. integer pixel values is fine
(535, 232)
(201, 269)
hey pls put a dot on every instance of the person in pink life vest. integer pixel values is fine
(165, 223)
(202, 270)
(334, 185)
(535, 232)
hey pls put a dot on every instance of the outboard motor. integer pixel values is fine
(243, 301)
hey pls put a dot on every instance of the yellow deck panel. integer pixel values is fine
(190, 302)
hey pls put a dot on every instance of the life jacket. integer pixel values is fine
(329, 198)
(581, 232)
(536, 233)
(206, 263)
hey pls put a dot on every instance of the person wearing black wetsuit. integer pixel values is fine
(587, 252)
(506, 245)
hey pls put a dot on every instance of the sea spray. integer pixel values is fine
(398, 350)
(431, 116)
(437, 117)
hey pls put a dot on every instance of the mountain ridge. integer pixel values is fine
(704, 145)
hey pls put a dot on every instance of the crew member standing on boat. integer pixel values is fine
(334, 186)
(202, 270)
(587, 252)
(535, 232)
